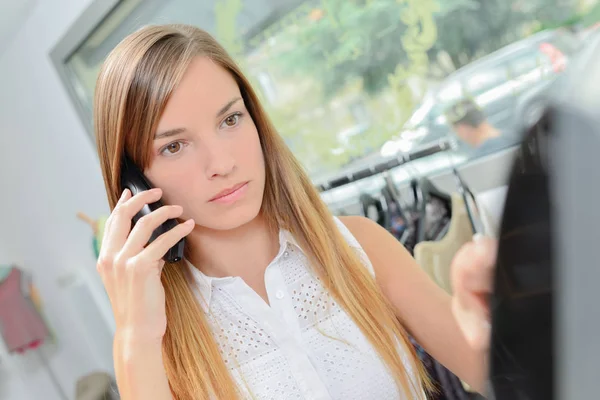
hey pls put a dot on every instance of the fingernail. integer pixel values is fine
(155, 190)
(478, 237)
(124, 194)
(480, 246)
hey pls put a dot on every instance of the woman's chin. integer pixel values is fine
(230, 219)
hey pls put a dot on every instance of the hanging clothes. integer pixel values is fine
(448, 385)
(435, 219)
(4, 272)
(435, 257)
(374, 209)
(21, 325)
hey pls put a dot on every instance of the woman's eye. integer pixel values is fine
(231, 121)
(172, 148)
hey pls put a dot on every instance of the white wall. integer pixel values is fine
(11, 14)
(48, 172)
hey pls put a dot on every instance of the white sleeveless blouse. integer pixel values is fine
(279, 351)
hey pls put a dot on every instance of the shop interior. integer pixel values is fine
(409, 113)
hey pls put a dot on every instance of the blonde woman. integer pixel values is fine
(275, 298)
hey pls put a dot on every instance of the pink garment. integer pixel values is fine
(21, 325)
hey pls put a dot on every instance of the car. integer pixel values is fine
(496, 82)
(515, 76)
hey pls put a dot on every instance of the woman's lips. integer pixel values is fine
(230, 195)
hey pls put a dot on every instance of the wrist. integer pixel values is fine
(137, 337)
(139, 367)
(130, 344)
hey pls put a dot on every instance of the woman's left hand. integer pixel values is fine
(472, 282)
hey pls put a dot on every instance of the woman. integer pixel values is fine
(275, 298)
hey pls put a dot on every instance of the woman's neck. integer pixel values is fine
(245, 251)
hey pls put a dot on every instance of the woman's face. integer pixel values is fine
(206, 155)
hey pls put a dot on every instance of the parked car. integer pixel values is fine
(512, 78)
(497, 82)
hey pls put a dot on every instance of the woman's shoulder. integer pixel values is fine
(376, 244)
(354, 229)
(360, 229)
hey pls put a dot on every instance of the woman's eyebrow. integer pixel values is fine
(169, 133)
(228, 106)
(177, 131)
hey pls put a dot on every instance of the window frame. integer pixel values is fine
(97, 12)
(74, 37)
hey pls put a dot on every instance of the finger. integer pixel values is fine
(133, 206)
(121, 217)
(458, 266)
(474, 302)
(475, 327)
(473, 266)
(126, 195)
(473, 275)
(161, 266)
(104, 265)
(472, 279)
(158, 248)
(143, 229)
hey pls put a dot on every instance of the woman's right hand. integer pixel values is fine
(131, 269)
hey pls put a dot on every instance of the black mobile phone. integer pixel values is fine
(133, 179)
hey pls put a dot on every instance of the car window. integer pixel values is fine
(565, 42)
(526, 62)
(487, 79)
(452, 91)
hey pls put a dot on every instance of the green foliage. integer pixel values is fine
(584, 19)
(350, 39)
(347, 51)
(591, 17)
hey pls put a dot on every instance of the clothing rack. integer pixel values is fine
(375, 169)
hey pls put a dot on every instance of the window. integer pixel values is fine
(341, 78)
(488, 79)
(525, 63)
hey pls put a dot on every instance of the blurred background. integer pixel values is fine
(350, 85)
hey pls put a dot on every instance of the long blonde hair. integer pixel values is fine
(132, 90)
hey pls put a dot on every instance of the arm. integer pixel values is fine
(131, 270)
(140, 370)
(424, 309)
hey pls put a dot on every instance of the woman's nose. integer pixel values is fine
(219, 161)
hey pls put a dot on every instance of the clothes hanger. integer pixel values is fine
(372, 208)
(405, 208)
(469, 199)
(426, 190)
(470, 203)
(392, 200)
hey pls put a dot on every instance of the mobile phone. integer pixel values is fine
(132, 178)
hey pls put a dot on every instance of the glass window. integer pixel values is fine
(525, 63)
(487, 79)
(343, 80)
